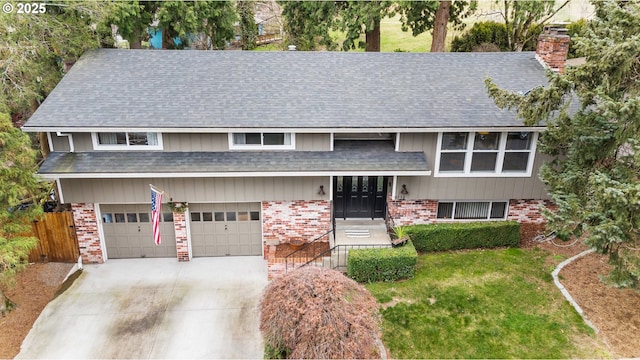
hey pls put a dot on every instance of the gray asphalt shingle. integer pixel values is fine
(366, 156)
(242, 89)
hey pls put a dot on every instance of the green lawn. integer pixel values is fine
(482, 304)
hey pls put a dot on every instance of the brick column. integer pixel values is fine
(182, 240)
(86, 224)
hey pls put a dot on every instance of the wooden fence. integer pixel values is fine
(57, 240)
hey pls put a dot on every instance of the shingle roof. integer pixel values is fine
(286, 89)
(347, 158)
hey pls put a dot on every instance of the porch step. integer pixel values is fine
(357, 233)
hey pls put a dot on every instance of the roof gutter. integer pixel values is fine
(60, 130)
(57, 176)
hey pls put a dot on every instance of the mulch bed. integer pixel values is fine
(316, 248)
(35, 287)
(613, 311)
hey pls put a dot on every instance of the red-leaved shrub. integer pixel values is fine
(317, 313)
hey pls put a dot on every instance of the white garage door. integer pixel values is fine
(128, 232)
(226, 229)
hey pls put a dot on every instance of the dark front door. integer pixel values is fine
(359, 196)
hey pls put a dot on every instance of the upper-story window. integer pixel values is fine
(485, 153)
(248, 141)
(127, 141)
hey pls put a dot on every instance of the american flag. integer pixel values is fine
(156, 210)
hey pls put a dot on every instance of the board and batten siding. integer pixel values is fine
(81, 142)
(59, 143)
(313, 142)
(195, 142)
(466, 188)
(197, 190)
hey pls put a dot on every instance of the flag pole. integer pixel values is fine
(157, 189)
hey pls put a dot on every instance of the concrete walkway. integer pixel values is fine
(155, 308)
(356, 232)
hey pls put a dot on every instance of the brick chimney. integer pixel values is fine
(553, 47)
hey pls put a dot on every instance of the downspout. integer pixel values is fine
(60, 196)
(394, 187)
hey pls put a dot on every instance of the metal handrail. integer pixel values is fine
(296, 254)
(336, 249)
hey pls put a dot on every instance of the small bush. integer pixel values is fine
(487, 32)
(456, 236)
(490, 32)
(317, 313)
(386, 264)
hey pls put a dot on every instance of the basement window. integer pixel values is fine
(472, 210)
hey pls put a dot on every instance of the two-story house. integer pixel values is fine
(265, 147)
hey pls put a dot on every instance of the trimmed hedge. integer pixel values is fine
(457, 236)
(385, 264)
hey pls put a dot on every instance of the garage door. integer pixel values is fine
(128, 232)
(226, 229)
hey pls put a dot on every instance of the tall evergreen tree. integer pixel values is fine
(18, 184)
(595, 176)
(36, 50)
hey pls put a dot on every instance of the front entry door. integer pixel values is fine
(359, 196)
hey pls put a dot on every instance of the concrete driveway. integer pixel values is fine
(155, 308)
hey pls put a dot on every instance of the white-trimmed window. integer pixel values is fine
(485, 153)
(472, 210)
(126, 140)
(259, 140)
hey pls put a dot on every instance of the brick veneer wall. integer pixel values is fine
(182, 242)
(285, 220)
(413, 212)
(528, 211)
(85, 220)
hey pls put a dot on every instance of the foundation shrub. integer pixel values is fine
(385, 264)
(317, 313)
(472, 235)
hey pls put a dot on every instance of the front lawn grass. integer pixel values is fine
(481, 304)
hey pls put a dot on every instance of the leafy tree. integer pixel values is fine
(18, 184)
(357, 17)
(184, 19)
(177, 19)
(309, 23)
(524, 17)
(133, 19)
(248, 28)
(594, 178)
(434, 15)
